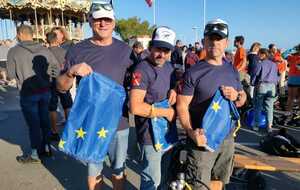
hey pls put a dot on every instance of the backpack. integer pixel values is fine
(280, 144)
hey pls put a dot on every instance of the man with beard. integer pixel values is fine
(151, 83)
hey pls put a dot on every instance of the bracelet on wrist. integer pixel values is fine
(152, 112)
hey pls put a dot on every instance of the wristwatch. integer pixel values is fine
(238, 98)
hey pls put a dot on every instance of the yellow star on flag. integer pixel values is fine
(80, 133)
(102, 133)
(158, 146)
(216, 106)
(61, 144)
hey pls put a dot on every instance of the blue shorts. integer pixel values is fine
(294, 81)
(117, 154)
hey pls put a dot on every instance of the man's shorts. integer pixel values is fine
(117, 154)
(65, 100)
(204, 166)
(294, 81)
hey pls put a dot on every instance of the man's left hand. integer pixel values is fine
(229, 93)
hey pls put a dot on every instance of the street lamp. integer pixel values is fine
(195, 28)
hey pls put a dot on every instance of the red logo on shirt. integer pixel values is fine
(136, 79)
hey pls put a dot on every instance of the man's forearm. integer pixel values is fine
(184, 117)
(64, 82)
(146, 110)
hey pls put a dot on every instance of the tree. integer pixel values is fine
(131, 27)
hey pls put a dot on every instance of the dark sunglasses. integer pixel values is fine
(219, 26)
(99, 6)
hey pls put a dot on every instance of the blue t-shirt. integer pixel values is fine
(253, 60)
(156, 81)
(202, 81)
(111, 61)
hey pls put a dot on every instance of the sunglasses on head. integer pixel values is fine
(218, 26)
(99, 6)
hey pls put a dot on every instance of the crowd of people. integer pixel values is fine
(187, 76)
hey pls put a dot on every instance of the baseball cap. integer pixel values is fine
(163, 37)
(102, 9)
(218, 27)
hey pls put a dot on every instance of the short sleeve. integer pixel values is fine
(139, 79)
(186, 85)
(69, 60)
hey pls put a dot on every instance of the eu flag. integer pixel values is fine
(219, 120)
(93, 119)
(164, 133)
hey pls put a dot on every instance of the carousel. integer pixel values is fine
(42, 15)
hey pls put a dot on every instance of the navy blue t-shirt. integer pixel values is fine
(111, 61)
(202, 81)
(156, 81)
(253, 60)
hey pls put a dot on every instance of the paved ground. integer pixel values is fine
(62, 172)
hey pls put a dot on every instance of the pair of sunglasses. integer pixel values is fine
(98, 6)
(219, 26)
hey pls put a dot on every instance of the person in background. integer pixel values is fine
(65, 98)
(137, 53)
(229, 56)
(33, 66)
(62, 37)
(293, 82)
(264, 79)
(184, 53)
(240, 58)
(275, 56)
(176, 56)
(200, 52)
(191, 58)
(253, 60)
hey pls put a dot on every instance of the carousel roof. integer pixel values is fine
(71, 5)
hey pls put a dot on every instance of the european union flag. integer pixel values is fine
(219, 120)
(164, 133)
(93, 119)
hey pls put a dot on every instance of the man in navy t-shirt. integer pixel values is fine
(152, 82)
(110, 57)
(195, 95)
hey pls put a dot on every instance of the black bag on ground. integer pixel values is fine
(280, 144)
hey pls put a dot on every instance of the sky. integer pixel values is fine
(264, 21)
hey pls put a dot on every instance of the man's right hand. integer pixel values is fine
(197, 136)
(81, 69)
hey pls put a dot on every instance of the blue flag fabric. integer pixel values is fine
(219, 120)
(93, 119)
(164, 133)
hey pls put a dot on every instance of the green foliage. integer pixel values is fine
(131, 27)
